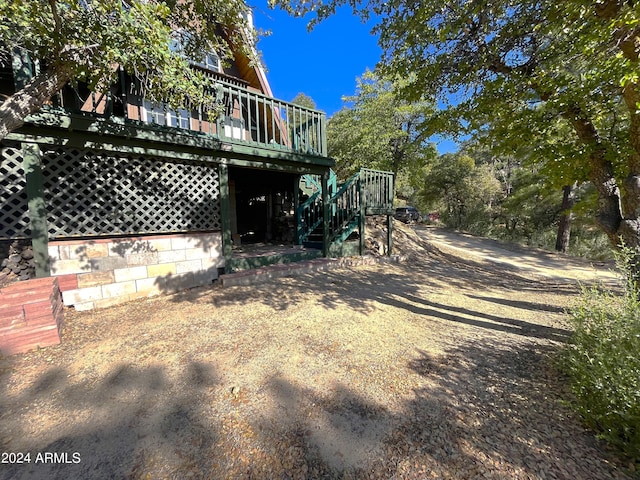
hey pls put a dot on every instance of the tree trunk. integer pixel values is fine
(564, 228)
(34, 94)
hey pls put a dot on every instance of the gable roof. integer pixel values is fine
(249, 70)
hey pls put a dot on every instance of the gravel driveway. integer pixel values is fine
(440, 367)
(532, 262)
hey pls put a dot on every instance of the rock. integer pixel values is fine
(19, 262)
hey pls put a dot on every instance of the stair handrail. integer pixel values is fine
(343, 217)
(309, 218)
(311, 179)
(346, 185)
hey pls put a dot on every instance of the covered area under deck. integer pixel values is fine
(263, 206)
(262, 211)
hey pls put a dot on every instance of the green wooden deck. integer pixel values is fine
(254, 131)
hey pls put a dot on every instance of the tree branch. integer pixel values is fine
(57, 21)
(28, 100)
(608, 9)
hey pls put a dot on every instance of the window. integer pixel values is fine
(159, 114)
(154, 113)
(179, 118)
(211, 61)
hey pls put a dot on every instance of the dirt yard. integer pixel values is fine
(440, 367)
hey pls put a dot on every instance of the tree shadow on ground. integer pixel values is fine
(479, 411)
(479, 407)
(124, 424)
(534, 306)
(500, 323)
(482, 408)
(407, 287)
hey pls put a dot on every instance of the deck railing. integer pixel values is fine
(244, 115)
(377, 190)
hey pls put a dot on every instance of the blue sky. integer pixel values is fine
(323, 63)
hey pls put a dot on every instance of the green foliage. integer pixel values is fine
(507, 198)
(377, 129)
(304, 100)
(152, 40)
(381, 131)
(560, 80)
(466, 191)
(586, 239)
(589, 242)
(531, 210)
(603, 363)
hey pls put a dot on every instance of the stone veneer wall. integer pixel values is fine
(97, 273)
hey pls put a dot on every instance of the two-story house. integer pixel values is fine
(122, 198)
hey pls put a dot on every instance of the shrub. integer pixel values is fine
(603, 361)
(589, 242)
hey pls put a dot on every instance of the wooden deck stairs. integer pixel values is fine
(336, 232)
(368, 192)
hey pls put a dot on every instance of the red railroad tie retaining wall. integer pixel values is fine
(31, 314)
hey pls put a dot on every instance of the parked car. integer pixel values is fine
(407, 214)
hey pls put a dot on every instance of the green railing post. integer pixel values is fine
(326, 234)
(225, 212)
(296, 208)
(363, 214)
(389, 234)
(31, 162)
(323, 135)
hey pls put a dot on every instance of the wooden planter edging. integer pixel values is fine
(31, 314)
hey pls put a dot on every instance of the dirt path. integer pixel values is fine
(534, 262)
(436, 368)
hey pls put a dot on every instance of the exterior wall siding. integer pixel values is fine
(101, 272)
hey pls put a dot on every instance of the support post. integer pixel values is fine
(326, 220)
(362, 215)
(390, 195)
(389, 234)
(225, 213)
(31, 163)
(296, 209)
